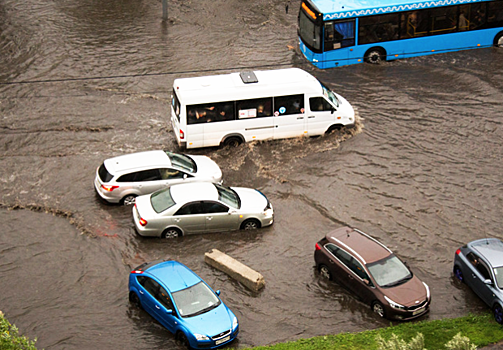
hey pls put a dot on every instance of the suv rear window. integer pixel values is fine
(105, 176)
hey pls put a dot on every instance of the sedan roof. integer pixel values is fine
(360, 244)
(491, 249)
(140, 160)
(194, 191)
(174, 275)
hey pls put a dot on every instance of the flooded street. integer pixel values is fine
(421, 173)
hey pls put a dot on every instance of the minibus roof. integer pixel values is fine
(230, 87)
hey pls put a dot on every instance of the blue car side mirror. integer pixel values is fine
(217, 292)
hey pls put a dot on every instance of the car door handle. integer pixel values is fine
(331, 261)
(157, 307)
(176, 219)
(311, 117)
(350, 277)
(209, 218)
(300, 117)
(474, 276)
(141, 292)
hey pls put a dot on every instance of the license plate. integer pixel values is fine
(223, 340)
(417, 312)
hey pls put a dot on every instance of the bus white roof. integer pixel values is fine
(229, 87)
(335, 9)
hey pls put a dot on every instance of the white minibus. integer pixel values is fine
(233, 108)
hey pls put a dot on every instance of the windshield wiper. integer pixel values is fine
(202, 311)
(397, 283)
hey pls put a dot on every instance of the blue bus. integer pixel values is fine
(335, 33)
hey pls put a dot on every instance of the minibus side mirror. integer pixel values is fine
(332, 110)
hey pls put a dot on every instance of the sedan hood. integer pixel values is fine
(207, 169)
(251, 200)
(212, 322)
(408, 294)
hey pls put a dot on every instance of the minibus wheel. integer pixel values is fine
(232, 141)
(375, 55)
(498, 40)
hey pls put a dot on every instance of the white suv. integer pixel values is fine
(123, 178)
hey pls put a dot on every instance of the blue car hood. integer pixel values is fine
(212, 322)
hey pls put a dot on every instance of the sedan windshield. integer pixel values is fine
(195, 300)
(228, 196)
(498, 272)
(182, 161)
(389, 272)
(161, 200)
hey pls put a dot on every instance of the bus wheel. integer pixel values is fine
(375, 55)
(498, 40)
(232, 141)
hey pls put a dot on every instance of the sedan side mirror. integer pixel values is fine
(185, 176)
(217, 292)
(169, 312)
(488, 282)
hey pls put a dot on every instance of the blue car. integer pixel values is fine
(479, 264)
(183, 303)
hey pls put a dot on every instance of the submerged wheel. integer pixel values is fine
(250, 224)
(498, 40)
(129, 199)
(171, 233)
(134, 299)
(498, 313)
(333, 128)
(378, 309)
(232, 141)
(182, 339)
(458, 273)
(375, 55)
(325, 272)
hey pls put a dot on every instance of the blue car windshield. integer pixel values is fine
(161, 200)
(195, 300)
(498, 272)
(389, 272)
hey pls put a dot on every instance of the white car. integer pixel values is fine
(123, 178)
(200, 207)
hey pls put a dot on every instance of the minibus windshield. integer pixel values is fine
(330, 95)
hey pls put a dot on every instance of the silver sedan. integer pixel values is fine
(200, 207)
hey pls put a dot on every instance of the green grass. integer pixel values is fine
(481, 329)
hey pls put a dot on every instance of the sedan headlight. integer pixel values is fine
(234, 323)
(393, 304)
(201, 337)
(427, 291)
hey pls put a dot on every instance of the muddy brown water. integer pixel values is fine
(422, 173)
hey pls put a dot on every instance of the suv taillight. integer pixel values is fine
(143, 222)
(109, 188)
(317, 247)
(182, 134)
(458, 251)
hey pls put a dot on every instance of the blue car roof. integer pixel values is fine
(491, 249)
(174, 275)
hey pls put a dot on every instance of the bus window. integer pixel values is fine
(495, 11)
(259, 107)
(176, 105)
(317, 104)
(443, 20)
(475, 14)
(414, 24)
(293, 104)
(210, 112)
(339, 34)
(379, 28)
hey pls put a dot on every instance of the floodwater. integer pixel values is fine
(421, 173)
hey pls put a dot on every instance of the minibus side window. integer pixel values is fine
(317, 104)
(210, 112)
(255, 108)
(284, 105)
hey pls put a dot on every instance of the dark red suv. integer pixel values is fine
(370, 270)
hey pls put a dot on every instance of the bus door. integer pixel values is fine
(289, 116)
(338, 35)
(320, 117)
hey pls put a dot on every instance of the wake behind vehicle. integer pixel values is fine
(121, 179)
(479, 264)
(228, 109)
(334, 33)
(183, 303)
(371, 271)
(200, 207)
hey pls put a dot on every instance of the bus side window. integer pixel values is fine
(259, 107)
(339, 34)
(495, 11)
(293, 104)
(317, 104)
